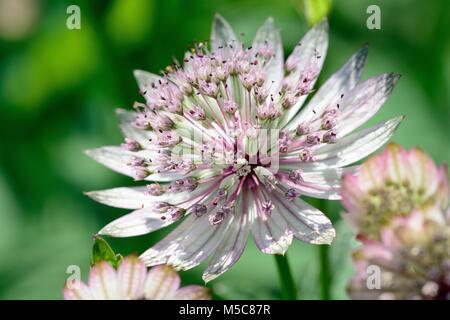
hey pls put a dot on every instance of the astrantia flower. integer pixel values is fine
(391, 184)
(131, 281)
(225, 140)
(413, 257)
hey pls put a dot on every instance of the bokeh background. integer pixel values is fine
(59, 89)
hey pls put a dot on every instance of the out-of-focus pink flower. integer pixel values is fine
(131, 281)
(392, 184)
(412, 257)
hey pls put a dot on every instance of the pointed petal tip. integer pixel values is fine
(90, 194)
(137, 72)
(120, 111)
(326, 237)
(281, 252)
(323, 23)
(397, 120)
(207, 277)
(270, 20)
(395, 76)
(218, 18)
(87, 193)
(364, 50)
(90, 153)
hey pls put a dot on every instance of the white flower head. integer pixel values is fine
(260, 147)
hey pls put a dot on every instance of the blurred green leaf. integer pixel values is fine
(315, 10)
(10, 217)
(102, 251)
(129, 22)
(341, 265)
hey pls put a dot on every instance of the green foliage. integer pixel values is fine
(314, 10)
(102, 251)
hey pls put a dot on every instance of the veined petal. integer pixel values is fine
(199, 246)
(221, 33)
(144, 79)
(268, 35)
(192, 293)
(141, 136)
(311, 49)
(160, 252)
(231, 248)
(136, 223)
(162, 283)
(147, 82)
(269, 237)
(126, 198)
(103, 282)
(78, 291)
(330, 92)
(117, 159)
(270, 232)
(353, 147)
(131, 278)
(189, 244)
(364, 101)
(306, 222)
(323, 184)
(138, 197)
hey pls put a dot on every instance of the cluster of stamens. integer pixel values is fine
(227, 97)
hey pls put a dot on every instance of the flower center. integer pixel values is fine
(393, 199)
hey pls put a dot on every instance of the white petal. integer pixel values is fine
(131, 278)
(138, 197)
(271, 233)
(199, 245)
(353, 147)
(160, 252)
(314, 41)
(162, 283)
(323, 184)
(144, 79)
(189, 244)
(231, 248)
(103, 281)
(193, 293)
(117, 159)
(269, 237)
(306, 222)
(126, 198)
(330, 92)
(360, 104)
(77, 291)
(268, 35)
(136, 223)
(142, 136)
(221, 33)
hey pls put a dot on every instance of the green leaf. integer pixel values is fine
(102, 251)
(315, 10)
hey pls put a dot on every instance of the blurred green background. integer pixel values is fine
(59, 89)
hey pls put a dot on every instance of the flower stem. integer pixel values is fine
(288, 287)
(325, 276)
(324, 260)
